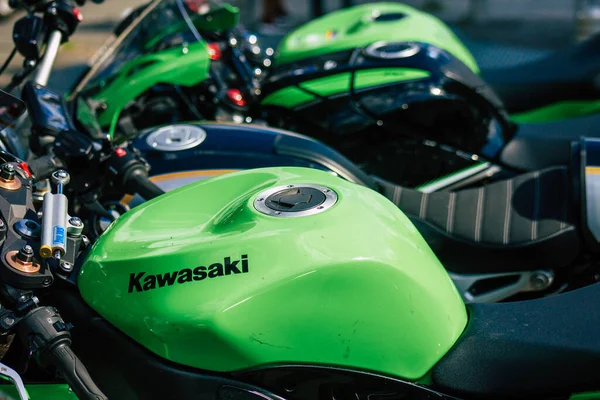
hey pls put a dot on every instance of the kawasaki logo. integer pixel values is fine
(141, 282)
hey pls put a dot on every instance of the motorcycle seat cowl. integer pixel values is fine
(569, 74)
(544, 348)
(539, 146)
(518, 224)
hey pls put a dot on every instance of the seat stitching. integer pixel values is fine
(507, 214)
(563, 222)
(479, 216)
(536, 206)
(450, 219)
(423, 209)
(397, 195)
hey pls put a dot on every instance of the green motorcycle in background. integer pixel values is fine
(412, 111)
(558, 86)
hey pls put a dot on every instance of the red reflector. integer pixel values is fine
(236, 97)
(120, 152)
(25, 169)
(214, 51)
(77, 14)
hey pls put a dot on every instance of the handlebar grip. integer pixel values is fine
(75, 373)
(138, 182)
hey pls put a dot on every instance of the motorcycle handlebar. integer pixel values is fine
(137, 181)
(44, 332)
(44, 68)
(75, 373)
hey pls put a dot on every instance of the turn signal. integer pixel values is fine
(214, 51)
(236, 97)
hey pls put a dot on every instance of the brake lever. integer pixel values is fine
(15, 378)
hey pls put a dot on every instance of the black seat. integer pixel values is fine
(546, 348)
(538, 146)
(519, 224)
(569, 74)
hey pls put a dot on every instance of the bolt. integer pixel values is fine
(8, 321)
(85, 241)
(61, 173)
(261, 199)
(75, 221)
(278, 213)
(327, 191)
(26, 254)
(290, 186)
(66, 266)
(1, 223)
(541, 280)
(8, 172)
(320, 208)
(22, 299)
(47, 281)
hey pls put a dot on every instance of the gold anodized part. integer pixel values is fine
(10, 184)
(45, 251)
(27, 267)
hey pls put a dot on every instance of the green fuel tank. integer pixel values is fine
(362, 25)
(275, 266)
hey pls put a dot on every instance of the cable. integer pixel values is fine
(8, 60)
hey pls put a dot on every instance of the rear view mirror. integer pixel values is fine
(11, 108)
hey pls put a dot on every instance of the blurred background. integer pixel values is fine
(499, 32)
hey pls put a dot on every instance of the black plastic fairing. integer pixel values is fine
(47, 110)
(123, 369)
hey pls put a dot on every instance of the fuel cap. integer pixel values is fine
(392, 50)
(295, 200)
(176, 137)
